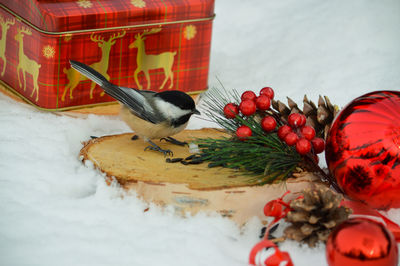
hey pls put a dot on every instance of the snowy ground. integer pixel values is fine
(56, 211)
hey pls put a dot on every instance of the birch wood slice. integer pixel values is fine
(189, 188)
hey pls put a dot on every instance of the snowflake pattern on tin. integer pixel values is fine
(48, 51)
(84, 3)
(138, 3)
(190, 32)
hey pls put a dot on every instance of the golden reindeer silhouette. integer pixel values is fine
(5, 25)
(25, 64)
(146, 62)
(75, 77)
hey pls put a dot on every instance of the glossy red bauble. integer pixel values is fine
(263, 102)
(303, 146)
(308, 132)
(247, 107)
(243, 132)
(363, 149)
(248, 95)
(296, 120)
(361, 242)
(318, 145)
(283, 131)
(268, 123)
(231, 110)
(267, 91)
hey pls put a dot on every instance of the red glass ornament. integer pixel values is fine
(283, 131)
(248, 95)
(268, 91)
(231, 110)
(318, 145)
(363, 149)
(296, 120)
(308, 132)
(268, 123)
(263, 102)
(247, 107)
(361, 242)
(291, 138)
(303, 146)
(243, 132)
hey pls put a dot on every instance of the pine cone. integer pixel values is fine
(314, 216)
(320, 117)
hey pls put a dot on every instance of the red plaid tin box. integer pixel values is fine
(146, 44)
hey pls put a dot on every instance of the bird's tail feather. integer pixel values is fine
(90, 73)
(132, 98)
(100, 80)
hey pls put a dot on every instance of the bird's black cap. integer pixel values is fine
(178, 98)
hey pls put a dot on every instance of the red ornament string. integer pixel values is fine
(275, 259)
(278, 209)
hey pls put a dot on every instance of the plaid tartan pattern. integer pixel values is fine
(190, 41)
(70, 15)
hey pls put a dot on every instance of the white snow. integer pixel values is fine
(56, 211)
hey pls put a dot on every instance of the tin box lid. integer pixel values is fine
(62, 16)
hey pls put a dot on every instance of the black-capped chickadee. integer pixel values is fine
(149, 114)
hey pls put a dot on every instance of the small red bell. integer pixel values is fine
(361, 242)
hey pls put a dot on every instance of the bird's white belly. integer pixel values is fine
(147, 129)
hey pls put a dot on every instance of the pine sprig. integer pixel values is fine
(254, 156)
(263, 155)
(214, 104)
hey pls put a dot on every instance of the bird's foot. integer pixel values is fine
(174, 141)
(155, 147)
(165, 152)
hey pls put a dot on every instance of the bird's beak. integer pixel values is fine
(195, 112)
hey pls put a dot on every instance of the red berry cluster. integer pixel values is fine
(248, 106)
(294, 133)
(297, 133)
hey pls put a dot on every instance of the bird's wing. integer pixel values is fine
(137, 101)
